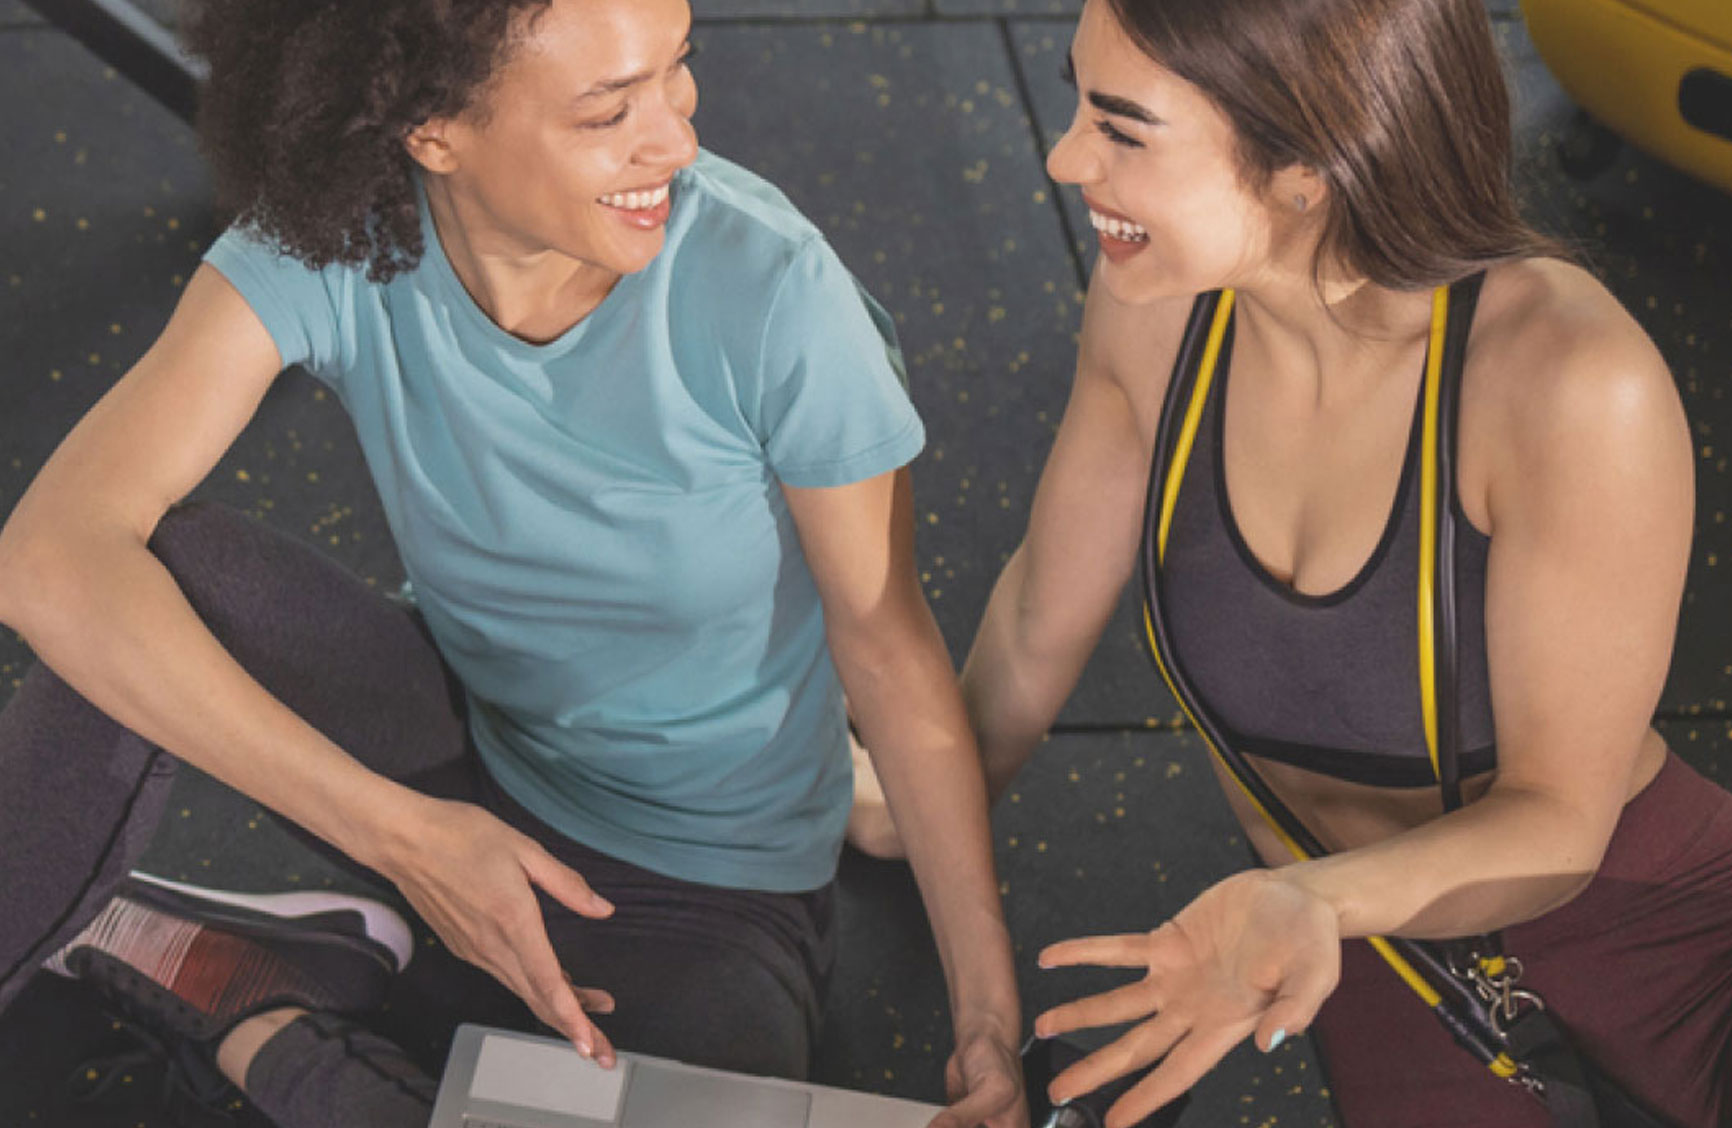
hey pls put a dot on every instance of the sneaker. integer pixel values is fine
(191, 963)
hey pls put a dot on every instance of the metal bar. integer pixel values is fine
(133, 43)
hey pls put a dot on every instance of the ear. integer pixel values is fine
(430, 145)
(1298, 190)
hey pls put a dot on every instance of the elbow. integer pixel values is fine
(29, 565)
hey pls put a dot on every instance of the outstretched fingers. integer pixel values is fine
(1193, 1055)
(1122, 1004)
(1130, 950)
(1134, 1050)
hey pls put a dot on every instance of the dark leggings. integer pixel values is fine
(1638, 967)
(720, 977)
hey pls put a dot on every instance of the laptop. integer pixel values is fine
(502, 1079)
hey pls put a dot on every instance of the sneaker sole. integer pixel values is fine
(382, 933)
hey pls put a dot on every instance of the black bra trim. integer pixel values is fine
(1377, 769)
(1392, 525)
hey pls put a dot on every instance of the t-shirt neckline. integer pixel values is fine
(470, 309)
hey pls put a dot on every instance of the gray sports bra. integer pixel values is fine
(1327, 683)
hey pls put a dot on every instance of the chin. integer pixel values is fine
(1143, 281)
(1136, 288)
(635, 259)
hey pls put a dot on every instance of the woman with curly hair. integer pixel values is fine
(641, 441)
(1324, 365)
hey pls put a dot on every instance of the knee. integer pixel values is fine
(234, 569)
(731, 1013)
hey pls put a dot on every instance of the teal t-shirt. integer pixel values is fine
(594, 528)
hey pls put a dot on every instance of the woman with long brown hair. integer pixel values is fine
(1332, 177)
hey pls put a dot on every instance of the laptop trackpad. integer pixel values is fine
(667, 1098)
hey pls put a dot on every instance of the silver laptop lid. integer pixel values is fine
(502, 1079)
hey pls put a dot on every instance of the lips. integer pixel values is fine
(1113, 225)
(644, 209)
(640, 199)
(1120, 237)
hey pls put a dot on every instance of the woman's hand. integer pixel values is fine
(473, 879)
(1255, 954)
(984, 1079)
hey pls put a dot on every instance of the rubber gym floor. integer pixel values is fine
(912, 132)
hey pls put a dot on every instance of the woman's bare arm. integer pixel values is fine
(79, 582)
(859, 542)
(1058, 590)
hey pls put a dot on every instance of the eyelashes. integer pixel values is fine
(1067, 73)
(1117, 136)
(691, 52)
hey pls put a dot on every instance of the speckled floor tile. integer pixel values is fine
(1042, 48)
(1007, 7)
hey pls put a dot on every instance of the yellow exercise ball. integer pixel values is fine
(1656, 72)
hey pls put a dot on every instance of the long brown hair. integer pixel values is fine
(1399, 105)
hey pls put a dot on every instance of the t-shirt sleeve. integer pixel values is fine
(833, 405)
(292, 299)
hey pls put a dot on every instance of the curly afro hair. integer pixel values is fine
(308, 103)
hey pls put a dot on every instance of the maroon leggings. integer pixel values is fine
(1638, 968)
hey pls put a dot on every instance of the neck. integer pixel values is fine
(1333, 337)
(533, 293)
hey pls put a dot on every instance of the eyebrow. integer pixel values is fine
(615, 85)
(1121, 107)
(1112, 103)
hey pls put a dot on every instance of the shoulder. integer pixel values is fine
(732, 223)
(744, 267)
(302, 306)
(1563, 386)
(248, 248)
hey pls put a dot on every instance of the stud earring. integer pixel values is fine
(1300, 203)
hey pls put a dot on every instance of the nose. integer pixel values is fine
(1072, 160)
(671, 140)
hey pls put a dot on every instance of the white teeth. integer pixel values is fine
(1121, 229)
(635, 201)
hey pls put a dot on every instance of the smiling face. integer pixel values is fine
(1158, 165)
(575, 141)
